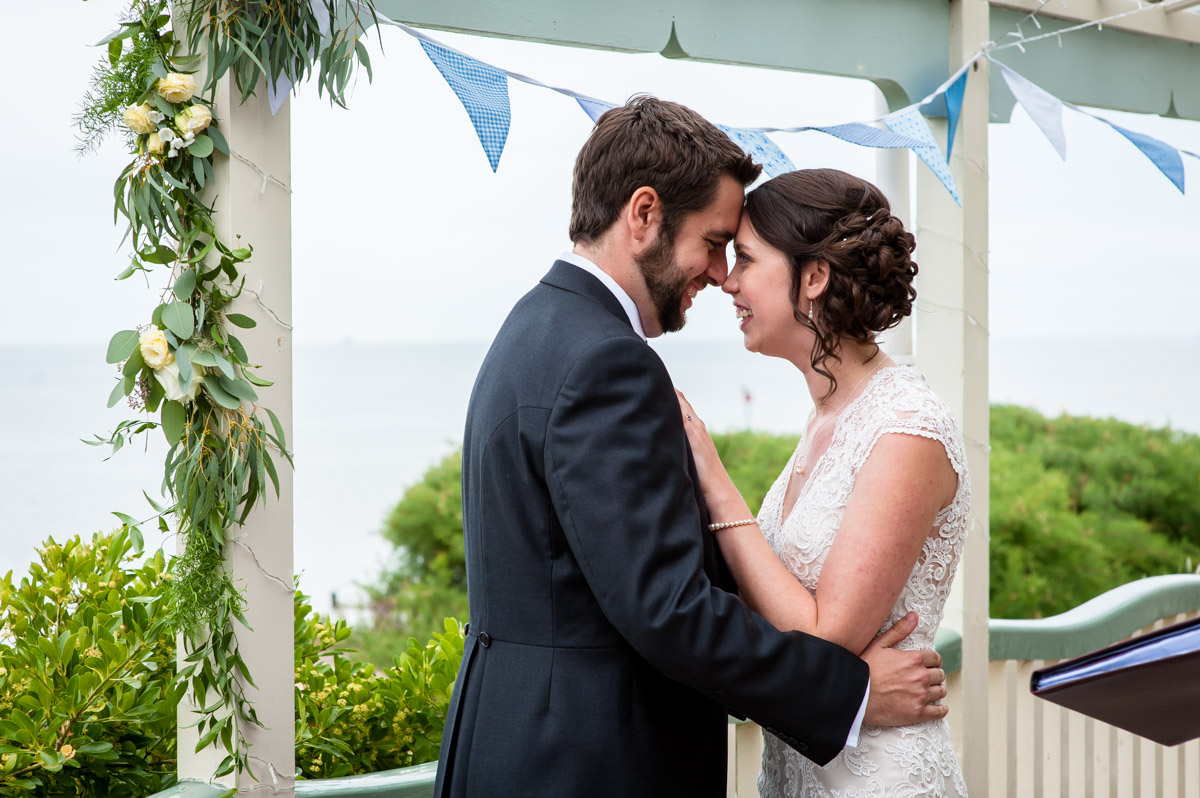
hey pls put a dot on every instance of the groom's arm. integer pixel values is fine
(616, 468)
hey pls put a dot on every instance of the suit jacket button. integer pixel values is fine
(484, 639)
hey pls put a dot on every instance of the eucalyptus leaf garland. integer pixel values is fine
(185, 369)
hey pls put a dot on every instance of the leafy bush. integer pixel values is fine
(1078, 506)
(1112, 466)
(87, 674)
(88, 696)
(350, 719)
(427, 580)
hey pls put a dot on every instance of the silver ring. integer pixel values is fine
(689, 416)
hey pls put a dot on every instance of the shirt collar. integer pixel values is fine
(635, 318)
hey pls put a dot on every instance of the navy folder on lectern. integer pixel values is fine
(1148, 685)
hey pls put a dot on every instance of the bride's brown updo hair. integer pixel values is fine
(826, 214)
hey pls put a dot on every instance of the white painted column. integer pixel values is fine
(952, 349)
(253, 201)
(892, 167)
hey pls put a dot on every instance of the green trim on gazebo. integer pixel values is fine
(1104, 620)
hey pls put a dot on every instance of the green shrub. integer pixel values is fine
(351, 719)
(1078, 506)
(427, 579)
(1081, 505)
(87, 666)
(87, 682)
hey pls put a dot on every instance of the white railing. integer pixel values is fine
(1038, 749)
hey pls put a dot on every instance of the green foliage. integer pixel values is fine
(754, 460)
(118, 80)
(1080, 505)
(352, 718)
(1151, 474)
(87, 674)
(254, 39)
(88, 689)
(427, 580)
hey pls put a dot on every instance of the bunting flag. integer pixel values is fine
(865, 135)
(909, 122)
(1161, 154)
(954, 100)
(483, 91)
(593, 108)
(1043, 107)
(761, 149)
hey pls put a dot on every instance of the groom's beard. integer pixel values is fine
(666, 283)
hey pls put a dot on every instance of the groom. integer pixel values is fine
(607, 644)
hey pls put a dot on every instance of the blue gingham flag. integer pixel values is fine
(909, 122)
(483, 90)
(761, 149)
(1161, 154)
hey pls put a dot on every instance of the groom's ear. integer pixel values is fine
(642, 216)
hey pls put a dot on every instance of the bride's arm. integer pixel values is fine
(897, 494)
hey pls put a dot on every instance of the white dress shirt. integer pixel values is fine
(635, 319)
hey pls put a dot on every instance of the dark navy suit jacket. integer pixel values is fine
(606, 643)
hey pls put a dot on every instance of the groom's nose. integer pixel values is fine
(718, 268)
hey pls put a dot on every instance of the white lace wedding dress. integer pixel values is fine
(911, 761)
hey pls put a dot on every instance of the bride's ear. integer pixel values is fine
(814, 279)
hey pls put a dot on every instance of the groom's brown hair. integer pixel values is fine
(655, 143)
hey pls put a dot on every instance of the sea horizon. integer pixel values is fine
(370, 418)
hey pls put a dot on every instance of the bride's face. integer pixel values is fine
(760, 284)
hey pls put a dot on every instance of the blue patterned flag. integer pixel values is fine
(866, 136)
(761, 149)
(483, 91)
(594, 108)
(909, 122)
(954, 101)
(1161, 154)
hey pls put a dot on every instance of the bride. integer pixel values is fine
(866, 523)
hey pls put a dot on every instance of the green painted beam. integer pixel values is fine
(413, 782)
(899, 45)
(191, 789)
(1104, 620)
(1108, 69)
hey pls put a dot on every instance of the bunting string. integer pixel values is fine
(482, 88)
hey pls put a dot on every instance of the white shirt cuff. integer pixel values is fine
(852, 738)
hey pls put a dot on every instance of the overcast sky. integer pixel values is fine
(402, 232)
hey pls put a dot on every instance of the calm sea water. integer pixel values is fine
(370, 419)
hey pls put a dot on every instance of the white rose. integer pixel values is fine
(193, 119)
(168, 378)
(176, 87)
(154, 345)
(137, 117)
(154, 143)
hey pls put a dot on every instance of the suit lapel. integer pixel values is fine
(570, 277)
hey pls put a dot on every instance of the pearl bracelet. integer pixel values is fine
(727, 524)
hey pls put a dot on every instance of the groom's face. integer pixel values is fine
(677, 269)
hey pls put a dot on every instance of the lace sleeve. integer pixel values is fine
(907, 405)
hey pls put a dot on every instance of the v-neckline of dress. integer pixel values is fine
(785, 513)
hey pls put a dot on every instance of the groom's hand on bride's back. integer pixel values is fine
(904, 684)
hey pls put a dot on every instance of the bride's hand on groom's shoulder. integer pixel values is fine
(904, 684)
(714, 480)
